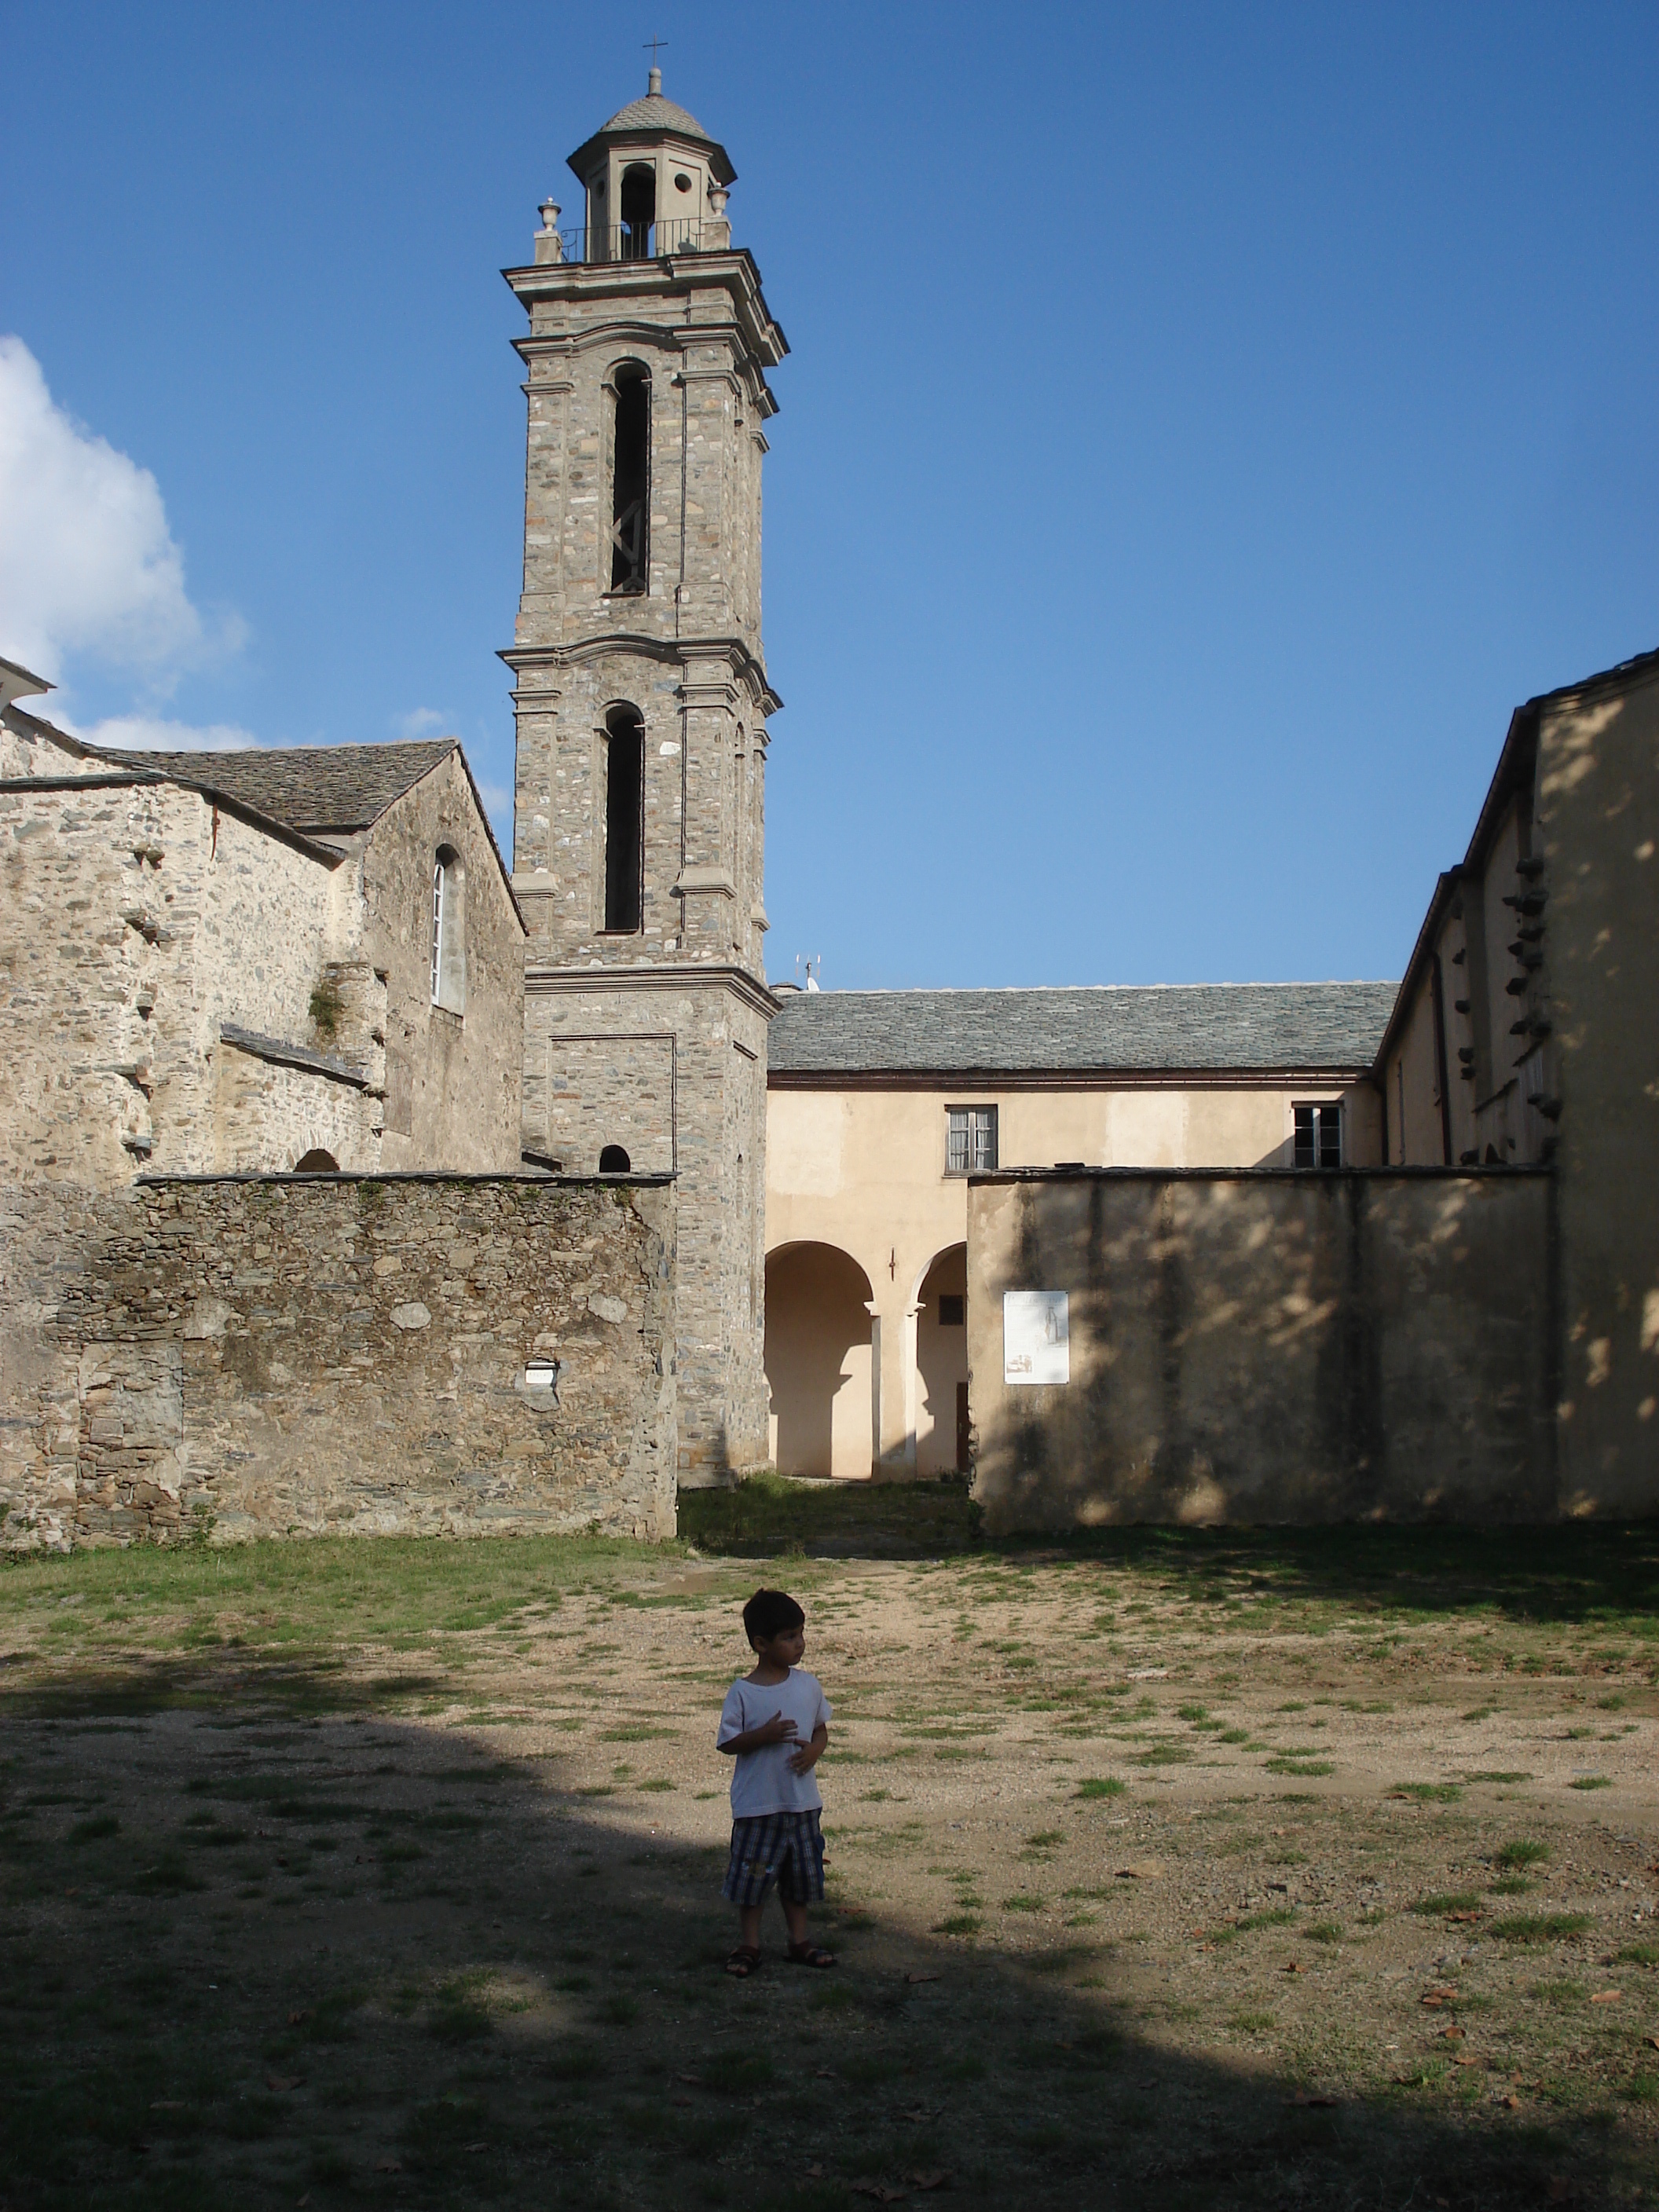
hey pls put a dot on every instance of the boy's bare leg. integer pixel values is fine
(749, 1923)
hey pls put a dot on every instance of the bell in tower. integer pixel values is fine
(641, 703)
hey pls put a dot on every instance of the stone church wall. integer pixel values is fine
(452, 1081)
(1268, 1347)
(248, 1357)
(134, 918)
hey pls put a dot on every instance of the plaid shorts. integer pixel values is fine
(786, 1848)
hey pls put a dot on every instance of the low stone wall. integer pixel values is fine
(1267, 1346)
(290, 1356)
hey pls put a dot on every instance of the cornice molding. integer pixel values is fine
(974, 1083)
(748, 669)
(732, 271)
(575, 982)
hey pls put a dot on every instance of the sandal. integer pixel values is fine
(809, 1954)
(744, 1961)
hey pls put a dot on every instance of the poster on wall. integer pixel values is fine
(1036, 1338)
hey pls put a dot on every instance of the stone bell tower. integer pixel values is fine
(641, 701)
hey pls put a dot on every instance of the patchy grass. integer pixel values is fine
(1539, 1927)
(324, 1873)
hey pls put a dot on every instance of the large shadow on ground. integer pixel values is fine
(1568, 1573)
(264, 1946)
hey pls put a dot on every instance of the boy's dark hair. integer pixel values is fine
(771, 1613)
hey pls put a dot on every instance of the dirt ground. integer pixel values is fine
(1208, 1871)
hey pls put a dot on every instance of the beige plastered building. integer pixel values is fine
(880, 1104)
(1527, 1032)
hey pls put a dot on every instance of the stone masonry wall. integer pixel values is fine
(267, 1356)
(134, 919)
(452, 1079)
(712, 1123)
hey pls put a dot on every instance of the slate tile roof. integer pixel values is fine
(310, 789)
(1215, 1026)
(654, 113)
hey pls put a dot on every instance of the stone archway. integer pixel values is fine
(817, 1361)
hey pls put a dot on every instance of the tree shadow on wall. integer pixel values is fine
(269, 1946)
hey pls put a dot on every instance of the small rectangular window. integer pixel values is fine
(1318, 1136)
(952, 1309)
(970, 1140)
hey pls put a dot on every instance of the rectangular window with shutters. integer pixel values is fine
(970, 1140)
(1318, 1136)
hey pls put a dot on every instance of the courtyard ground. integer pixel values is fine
(1207, 1869)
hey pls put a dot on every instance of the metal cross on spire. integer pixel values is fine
(653, 43)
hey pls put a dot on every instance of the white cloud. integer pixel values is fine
(422, 723)
(86, 562)
(150, 733)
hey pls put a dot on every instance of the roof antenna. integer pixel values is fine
(653, 83)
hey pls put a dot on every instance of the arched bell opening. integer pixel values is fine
(614, 1160)
(624, 820)
(638, 211)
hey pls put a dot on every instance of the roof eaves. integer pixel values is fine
(1070, 1076)
(456, 746)
(1428, 937)
(1617, 677)
(40, 726)
(132, 771)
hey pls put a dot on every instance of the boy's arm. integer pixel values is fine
(778, 1729)
(810, 1752)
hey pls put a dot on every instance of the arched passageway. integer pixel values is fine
(942, 1364)
(817, 1361)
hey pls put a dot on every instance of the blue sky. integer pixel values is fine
(1204, 425)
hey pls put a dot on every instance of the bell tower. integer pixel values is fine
(641, 702)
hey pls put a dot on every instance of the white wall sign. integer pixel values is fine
(1036, 1339)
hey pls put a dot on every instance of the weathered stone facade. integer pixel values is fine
(135, 918)
(265, 1356)
(652, 1035)
(190, 984)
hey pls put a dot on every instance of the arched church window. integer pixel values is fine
(613, 1160)
(630, 477)
(448, 930)
(624, 817)
(317, 1162)
(639, 211)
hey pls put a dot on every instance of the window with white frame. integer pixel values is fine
(448, 931)
(1318, 1136)
(970, 1140)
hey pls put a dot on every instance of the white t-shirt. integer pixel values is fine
(761, 1780)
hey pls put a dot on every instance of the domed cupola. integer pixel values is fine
(655, 183)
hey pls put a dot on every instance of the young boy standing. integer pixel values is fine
(774, 1725)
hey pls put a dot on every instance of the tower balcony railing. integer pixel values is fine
(622, 241)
